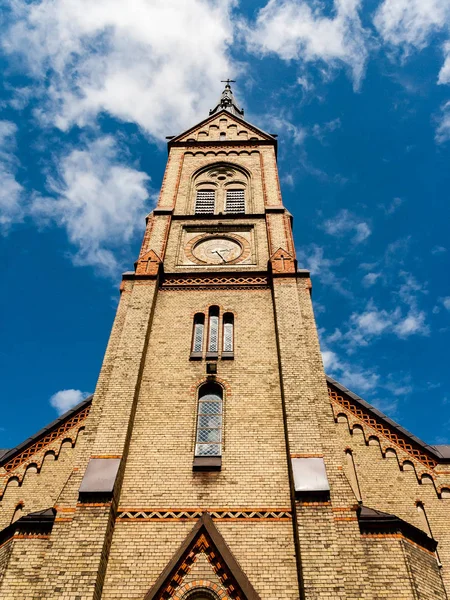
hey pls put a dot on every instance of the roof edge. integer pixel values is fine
(9, 454)
(438, 455)
(214, 116)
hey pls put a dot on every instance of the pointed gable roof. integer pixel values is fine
(264, 136)
(204, 537)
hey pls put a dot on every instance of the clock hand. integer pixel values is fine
(218, 252)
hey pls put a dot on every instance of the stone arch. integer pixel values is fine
(217, 177)
(200, 590)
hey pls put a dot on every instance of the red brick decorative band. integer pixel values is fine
(381, 427)
(217, 282)
(45, 440)
(184, 515)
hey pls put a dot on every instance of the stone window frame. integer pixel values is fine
(198, 320)
(219, 177)
(227, 320)
(222, 318)
(207, 462)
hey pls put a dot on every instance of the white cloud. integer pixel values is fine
(298, 30)
(370, 279)
(63, 400)
(320, 131)
(409, 24)
(100, 201)
(402, 320)
(390, 209)
(353, 376)
(11, 191)
(443, 129)
(281, 123)
(438, 250)
(446, 302)
(345, 223)
(444, 73)
(153, 62)
(313, 258)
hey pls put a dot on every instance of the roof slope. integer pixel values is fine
(439, 453)
(51, 430)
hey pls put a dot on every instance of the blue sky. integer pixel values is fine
(359, 94)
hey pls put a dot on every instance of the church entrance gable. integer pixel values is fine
(203, 567)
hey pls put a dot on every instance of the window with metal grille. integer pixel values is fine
(205, 202)
(235, 202)
(213, 333)
(228, 332)
(209, 421)
(197, 334)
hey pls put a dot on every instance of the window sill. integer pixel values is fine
(207, 463)
(227, 356)
(212, 355)
(196, 356)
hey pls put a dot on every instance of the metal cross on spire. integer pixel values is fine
(227, 100)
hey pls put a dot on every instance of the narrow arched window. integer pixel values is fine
(213, 330)
(228, 335)
(205, 202)
(198, 333)
(209, 421)
(235, 201)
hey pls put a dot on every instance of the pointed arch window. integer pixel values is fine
(209, 422)
(205, 203)
(198, 335)
(228, 335)
(213, 332)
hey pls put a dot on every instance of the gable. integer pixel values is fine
(203, 561)
(234, 128)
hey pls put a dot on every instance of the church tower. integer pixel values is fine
(216, 460)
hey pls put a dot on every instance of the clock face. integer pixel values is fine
(217, 250)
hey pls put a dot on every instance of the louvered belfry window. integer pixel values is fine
(209, 421)
(197, 335)
(213, 333)
(228, 333)
(205, 202)
(235, 202)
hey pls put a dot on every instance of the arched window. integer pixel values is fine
(221, 188)
(197, 334)
(213, 330)
(209, 421)
(205, 203)
(228, 335)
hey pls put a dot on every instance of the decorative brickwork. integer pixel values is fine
(172, 282)
(178, 515)
(46, 439)
(382, 428)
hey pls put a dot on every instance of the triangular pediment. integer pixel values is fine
(282, 261)
(203, 561)
(235, 128)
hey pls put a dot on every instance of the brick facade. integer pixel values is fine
(277, 407)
